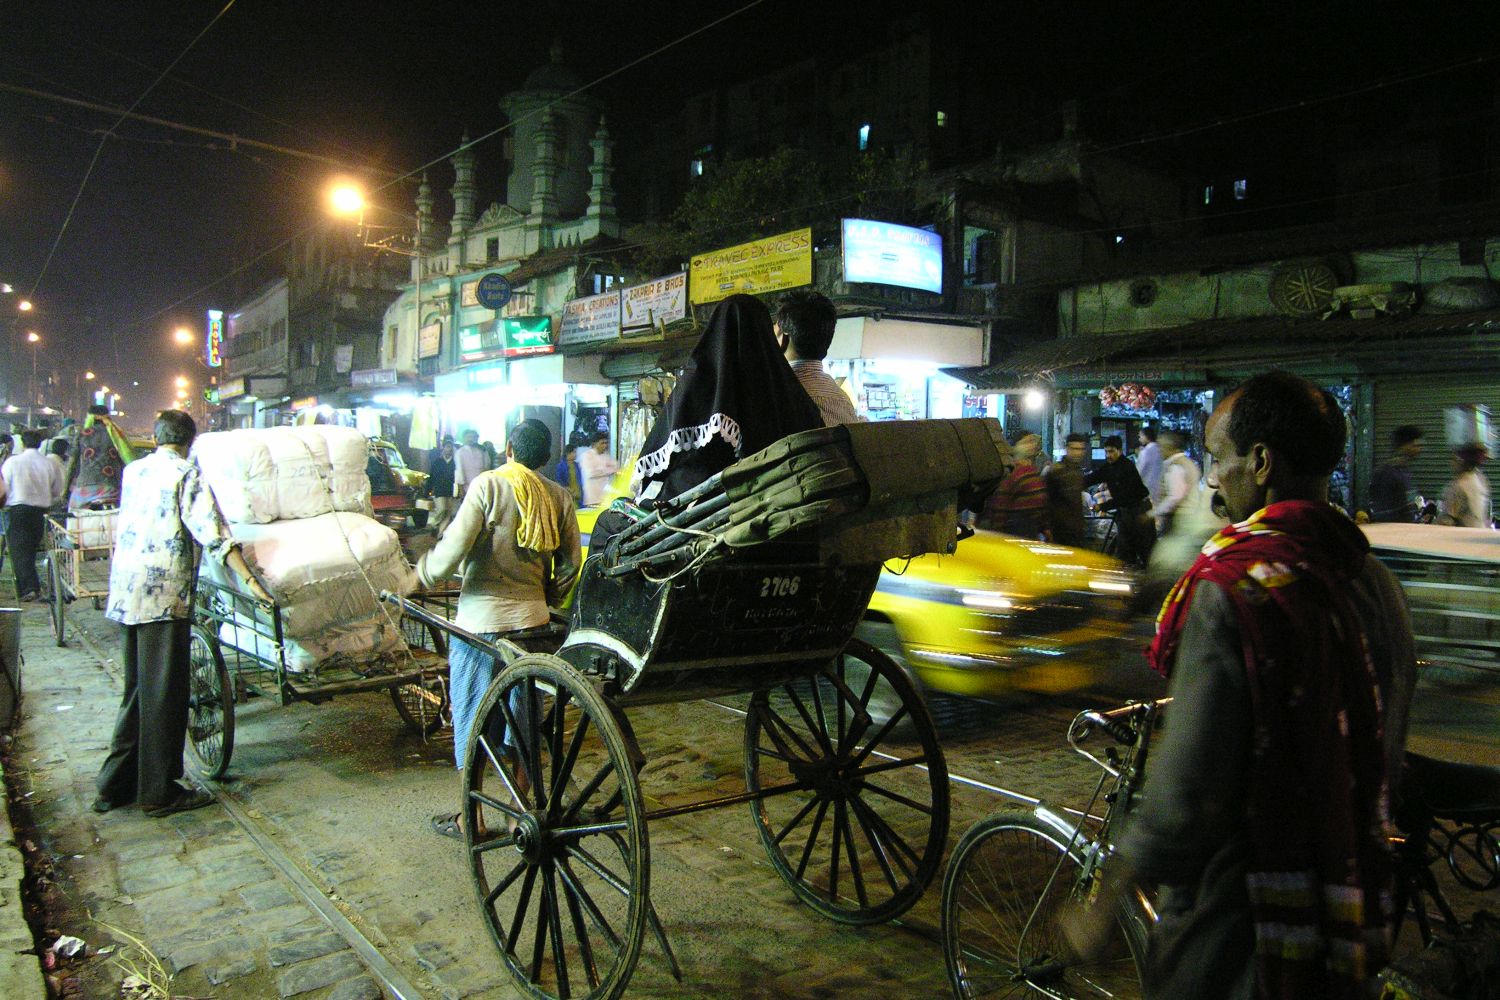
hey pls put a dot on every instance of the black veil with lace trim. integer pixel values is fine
(736, 395)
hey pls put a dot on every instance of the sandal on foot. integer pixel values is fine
(446, 825)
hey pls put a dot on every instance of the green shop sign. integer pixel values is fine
(507, 337)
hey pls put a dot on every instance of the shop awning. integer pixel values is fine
(1223, 350)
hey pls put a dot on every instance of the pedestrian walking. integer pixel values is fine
(516, 542)
(167, 512)
(1391, 495)
(1267, 797)
(30, 483)
(441, 470)
(1181, 482)
(1018, 506)
(596, 467)
(1148, 461)
(566, 474)
(1128, 502)
(469, 461)
(1064, 481)
(1466, 500)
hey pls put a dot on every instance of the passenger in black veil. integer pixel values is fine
(736, 396)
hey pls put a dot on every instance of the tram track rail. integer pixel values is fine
(391, 979)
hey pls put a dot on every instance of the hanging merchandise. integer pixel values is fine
(1129, 395)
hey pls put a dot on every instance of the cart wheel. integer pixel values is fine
(210, 705)
(862, 837)
(423, 707)
(1006, 884)
(59, 601)
(565, 894)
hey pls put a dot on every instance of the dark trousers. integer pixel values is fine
(1137, 533)
(24, 537)
(145, 756)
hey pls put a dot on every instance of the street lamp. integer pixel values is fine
(183, 335)
(24, 305)
(182, 382)
(346, 198)
(35, 340)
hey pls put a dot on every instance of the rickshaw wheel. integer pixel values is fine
(59, 601)
(423, 707)
(210, 705)
(556, 832)
(862, 837)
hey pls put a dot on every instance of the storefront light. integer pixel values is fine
(1034, 399)
(401, 401)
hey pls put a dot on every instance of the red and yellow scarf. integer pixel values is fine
(1319, 807)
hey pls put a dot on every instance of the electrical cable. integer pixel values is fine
(68, 218)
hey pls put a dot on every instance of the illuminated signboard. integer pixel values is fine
(507, 337)
(215, 338)
(880, 253)
(767, 265)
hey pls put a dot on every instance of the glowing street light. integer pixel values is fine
(24, 305)
(346, 198)
(88, 376)
(183, 335)
(182, 381)
(32, 337)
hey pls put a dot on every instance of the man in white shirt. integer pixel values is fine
(30, 484)
(1179, 482)
(469, 462)
(596, 467)
(1148, 462)
(804, 327)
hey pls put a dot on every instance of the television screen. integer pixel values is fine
(882, 253)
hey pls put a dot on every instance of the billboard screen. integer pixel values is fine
(882, 253)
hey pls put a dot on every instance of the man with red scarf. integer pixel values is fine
(1267, 798)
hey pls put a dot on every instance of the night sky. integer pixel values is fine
(393, 85)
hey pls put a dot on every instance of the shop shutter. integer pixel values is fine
(1421, 400)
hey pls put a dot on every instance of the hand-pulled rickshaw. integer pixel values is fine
(751, 583)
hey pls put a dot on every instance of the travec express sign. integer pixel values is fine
(768, 265)
(507, 337)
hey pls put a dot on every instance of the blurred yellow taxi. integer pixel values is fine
(1000, 614)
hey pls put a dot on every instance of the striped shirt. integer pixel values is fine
(1019, 504)
(832, 404)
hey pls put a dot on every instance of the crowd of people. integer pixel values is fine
(1287, 645)
(1163, 493)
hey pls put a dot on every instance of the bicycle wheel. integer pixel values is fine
(1000, 907)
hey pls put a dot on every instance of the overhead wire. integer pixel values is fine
(416, 171)
(94, 160)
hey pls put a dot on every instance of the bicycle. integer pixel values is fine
(1013, 872)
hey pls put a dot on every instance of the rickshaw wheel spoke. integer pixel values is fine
(562, 886)
(868, 852)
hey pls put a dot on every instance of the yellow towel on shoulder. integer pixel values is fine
(537, 527)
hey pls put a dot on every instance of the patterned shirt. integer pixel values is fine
(166, 512)
(830, 400)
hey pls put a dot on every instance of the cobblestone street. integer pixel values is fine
(343, 791)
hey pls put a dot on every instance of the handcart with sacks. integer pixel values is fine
(79, 546)
(751, 583)
(297, 500)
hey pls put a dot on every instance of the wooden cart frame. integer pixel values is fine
(238, 648)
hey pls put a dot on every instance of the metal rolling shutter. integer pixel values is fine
(1421, 400)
